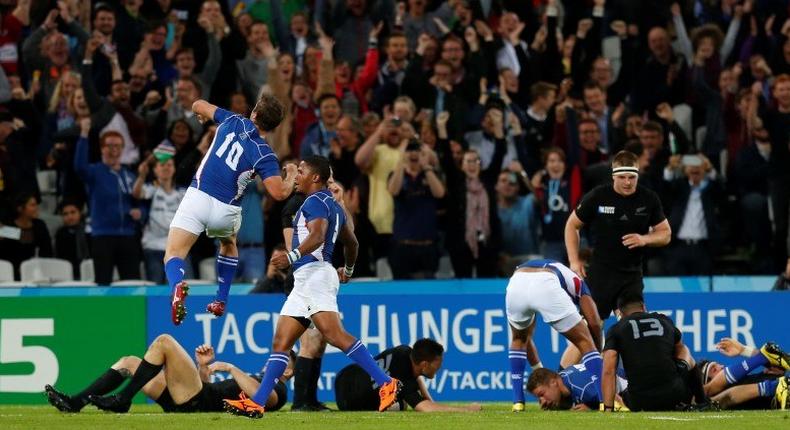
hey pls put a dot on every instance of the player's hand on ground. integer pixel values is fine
(580, 407)
(280, 261)
(729, 347)
(633, 240)
(220, 366)
(204, 354)
(341, 273)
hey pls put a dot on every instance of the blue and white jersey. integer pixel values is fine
(237, 153)
(318, 205)
(574, 286)
(581, 384)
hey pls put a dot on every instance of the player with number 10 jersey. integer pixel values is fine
(212, 202)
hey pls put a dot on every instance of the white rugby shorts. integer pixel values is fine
(529, 293)
(315, 290)
(200, 212)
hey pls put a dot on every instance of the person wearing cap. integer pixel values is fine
(624, 219)
(164, 197)
(695, 195)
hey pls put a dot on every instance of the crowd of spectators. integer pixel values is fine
(465, 128)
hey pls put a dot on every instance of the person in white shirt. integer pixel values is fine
(164, 199)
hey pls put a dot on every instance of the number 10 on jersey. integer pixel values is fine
(234, 154)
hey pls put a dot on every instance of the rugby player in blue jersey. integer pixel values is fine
(318, 224)
(212, 202)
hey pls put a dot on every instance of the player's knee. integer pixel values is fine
(163, 341)
(127, 365)
(339, 339)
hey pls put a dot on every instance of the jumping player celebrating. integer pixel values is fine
(212, 202)
(317, 225)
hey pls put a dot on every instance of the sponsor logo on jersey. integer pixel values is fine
(606, 210)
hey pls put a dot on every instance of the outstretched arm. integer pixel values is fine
(280, 188)
(609, 378)
(204, 109)
(431, 406)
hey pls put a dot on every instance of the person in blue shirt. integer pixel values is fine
(318, 224)
(554, 291)
(572, 388)
(213, 201)
(113, 211)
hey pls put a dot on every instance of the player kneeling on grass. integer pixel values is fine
(167, 376)
(554, 291)
(736, 387)
(572, 388)
(356, 391)
(318, 223)
(662, 375)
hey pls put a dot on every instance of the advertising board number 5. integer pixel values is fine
(13, 350)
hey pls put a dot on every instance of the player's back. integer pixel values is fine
(320, 204)
(581, 384)
(646, 344)
(574, 286)
(235, 155)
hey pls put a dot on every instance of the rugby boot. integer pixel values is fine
(782, 396)
(178, 307)
(217, 308)
(110, 403)
(388, 394)
(244, 407)
(61, 401)
(775, 355)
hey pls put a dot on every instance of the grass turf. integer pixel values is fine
(494, 416)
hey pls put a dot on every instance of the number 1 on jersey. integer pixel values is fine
(235, 151)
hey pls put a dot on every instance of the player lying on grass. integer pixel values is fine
(554, 291)
(661, 372)
(356, 391)
(572, 388)
(167, 375)
(319, 222)
(736, 387)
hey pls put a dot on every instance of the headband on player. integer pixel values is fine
(624, 170)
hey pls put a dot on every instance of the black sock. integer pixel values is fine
(107, 382)
(145, 372)
(302, 369)
(315, 375)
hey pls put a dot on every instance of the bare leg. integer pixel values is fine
(227, 246)
(179, 242)
(580, 336)
(570, 356)
(287, 332)
(328, 323)
(181, 377)
(312, 344)
(128, 365)
(736, 395)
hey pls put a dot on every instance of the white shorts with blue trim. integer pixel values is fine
(315, 290)
(530, 293)
(199, 212)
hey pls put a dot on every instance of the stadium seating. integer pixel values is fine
(46, 270)
(208, 269)
(87, 272)
(383, 270)
(74, 284)
(133, 283)
(445, 270)
(6, 271)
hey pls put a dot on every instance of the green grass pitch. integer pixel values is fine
(494, 416)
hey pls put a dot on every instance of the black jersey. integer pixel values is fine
(355, 390)
(646, 345)
(611, 216)
(211, 396)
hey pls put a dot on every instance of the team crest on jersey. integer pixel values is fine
(606, 210)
